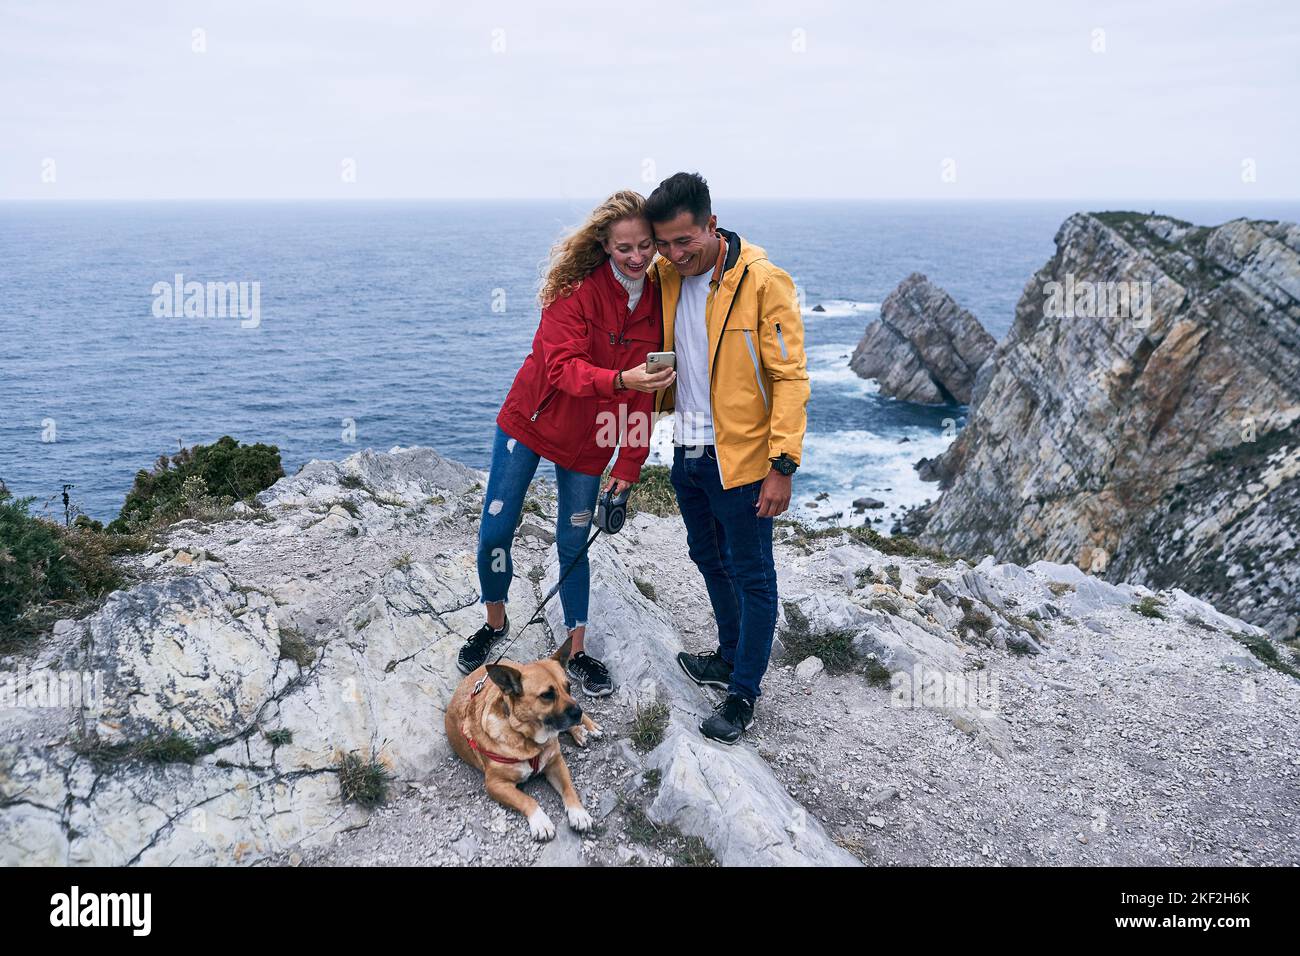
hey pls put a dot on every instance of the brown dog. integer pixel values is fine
(506, 719)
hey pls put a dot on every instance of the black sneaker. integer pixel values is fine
(707, 670)
(474, 653)
(591, 675)
(729, 720)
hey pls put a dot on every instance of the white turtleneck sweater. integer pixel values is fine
(633, 286)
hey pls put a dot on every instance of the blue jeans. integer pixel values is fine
(732, 547)
(512, 470)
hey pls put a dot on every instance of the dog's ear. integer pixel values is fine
(562, 654)
(507, 678)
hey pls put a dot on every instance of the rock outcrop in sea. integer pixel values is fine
(1141, 419)
(924, 347)
(264, 676)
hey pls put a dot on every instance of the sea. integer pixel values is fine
(400, 323)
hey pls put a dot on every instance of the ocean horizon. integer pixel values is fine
(383, 323)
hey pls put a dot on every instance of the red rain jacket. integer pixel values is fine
(563, 404)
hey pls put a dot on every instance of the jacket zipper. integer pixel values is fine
(753, 357)
(781, 341)
(545, 402)
(725, 319)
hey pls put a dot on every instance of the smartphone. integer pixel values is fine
(658, 361)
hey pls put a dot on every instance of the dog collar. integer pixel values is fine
(534, 762)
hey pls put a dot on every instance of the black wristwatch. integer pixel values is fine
(785, 464)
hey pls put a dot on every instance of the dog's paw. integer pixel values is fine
(541, 826)
(579, 819)
(594, 731)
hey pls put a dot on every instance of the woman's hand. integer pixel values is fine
(618, 484)
(638, 379)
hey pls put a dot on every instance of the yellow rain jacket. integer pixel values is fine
(758, 376)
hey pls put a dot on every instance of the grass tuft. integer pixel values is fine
(363, 781)
(295, 647)
(1150, 607)
(648, 726)
(834, 647)
(653, 494)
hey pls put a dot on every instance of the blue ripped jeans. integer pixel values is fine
(512, 470)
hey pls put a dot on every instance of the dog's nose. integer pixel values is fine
(573, 713)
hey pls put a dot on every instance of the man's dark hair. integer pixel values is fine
(680, 191)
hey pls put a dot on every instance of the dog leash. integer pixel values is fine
(537, 614)
(611, 514)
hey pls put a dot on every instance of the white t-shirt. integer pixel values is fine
(693, 416)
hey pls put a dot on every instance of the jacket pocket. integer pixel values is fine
(547, 398)
(780, 340)
(758, 372)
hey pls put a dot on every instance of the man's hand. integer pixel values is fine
(774, 496)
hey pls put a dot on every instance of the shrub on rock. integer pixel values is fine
(227, 469)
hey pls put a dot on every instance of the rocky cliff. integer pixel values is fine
(924, 347)
(1140, 419)
(273, 686)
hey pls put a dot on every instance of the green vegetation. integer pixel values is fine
(648, 726)
(653, 494)
(1149, 607)
(47, 571)
(279, 738)
(835, 648)
(1265, 651)
(1183, 257)
(973, 619)
(295, 647)
(1125, 219)
(156, 748)
(364, 782)
(899, 545)
(925, 584)
(1027, 624)
(226, 471)
(682, 850)
(349, 506)
(877, 674)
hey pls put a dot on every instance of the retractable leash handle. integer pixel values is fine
(611, 510)
(611, 515)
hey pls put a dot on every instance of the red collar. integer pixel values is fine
(533, 762)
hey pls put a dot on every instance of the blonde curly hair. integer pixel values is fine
(578, 254)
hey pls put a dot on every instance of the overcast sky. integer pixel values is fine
(510, 99)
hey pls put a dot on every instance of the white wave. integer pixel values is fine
(838, 308)
(829, 365)
(856, 463)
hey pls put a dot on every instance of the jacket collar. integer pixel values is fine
(604, 275)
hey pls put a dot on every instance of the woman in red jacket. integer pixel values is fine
(582, 392)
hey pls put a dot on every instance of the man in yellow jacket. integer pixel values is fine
(739, 412)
